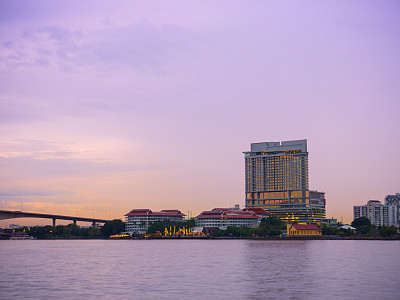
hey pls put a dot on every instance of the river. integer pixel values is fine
(199, 269)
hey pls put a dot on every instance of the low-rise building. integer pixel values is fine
(330, 222)
(224, 217)
(303, 230)
(139, 220)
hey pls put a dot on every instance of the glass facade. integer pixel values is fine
(276, 179)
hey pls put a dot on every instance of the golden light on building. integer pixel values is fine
(276, 179)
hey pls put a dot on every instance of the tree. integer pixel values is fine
(111, 227)
(245, 231)
(362, 224)
(161, 225)
(387, 231)
(362, 221)
(270, 227)
(326, 230)
(70, 231)
(373, 231)
(273, 221)
(94, 232)
(60, 230)
(232, 231)
(344, 232)
(40, 232)
(275, 232)
(364, 229)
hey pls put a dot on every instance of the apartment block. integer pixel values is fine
(377, 213)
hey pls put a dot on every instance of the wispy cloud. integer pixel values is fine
(141, 46)
(29, 166)
(38, 158)
(37, 149)
(12, 193)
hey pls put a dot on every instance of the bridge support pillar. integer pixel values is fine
(54, 223)
(93, 224)
(74, 222)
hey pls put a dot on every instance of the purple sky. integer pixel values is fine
(111, 106)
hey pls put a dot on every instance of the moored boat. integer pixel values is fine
(21, 236)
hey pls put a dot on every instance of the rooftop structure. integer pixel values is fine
(222, 218)
(139, 220)
(258, 211)
(276, 179)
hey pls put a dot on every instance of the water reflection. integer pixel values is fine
(323, 269)
(278, 269)
(230, 269)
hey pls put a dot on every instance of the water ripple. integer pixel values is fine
(197, 269)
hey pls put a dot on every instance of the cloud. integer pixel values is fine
(7, 193)
(37, 149)
(141, 46)
(57, 70)
(28, 167)
(24, 159)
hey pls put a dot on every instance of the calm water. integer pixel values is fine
(195, 269)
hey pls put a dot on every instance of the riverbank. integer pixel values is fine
(273, 238)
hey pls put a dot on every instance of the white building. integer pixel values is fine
(139, 220)
(395, 201)
(224, 217)
(377, 213)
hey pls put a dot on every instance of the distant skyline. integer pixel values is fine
(107, 107)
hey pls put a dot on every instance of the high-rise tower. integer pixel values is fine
(277, 180)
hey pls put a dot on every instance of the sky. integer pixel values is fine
(107, 106)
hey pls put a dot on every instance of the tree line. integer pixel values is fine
(268, 227)
(363, 227)
(74, 231)
(161, 225)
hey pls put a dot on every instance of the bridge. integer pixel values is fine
(11, 214)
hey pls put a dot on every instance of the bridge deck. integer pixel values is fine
(9, 214)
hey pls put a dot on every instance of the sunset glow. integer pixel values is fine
(105, 108)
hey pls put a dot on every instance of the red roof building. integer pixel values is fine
(139, 220)
(258, 211)
(222, 218)
(303, 230)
